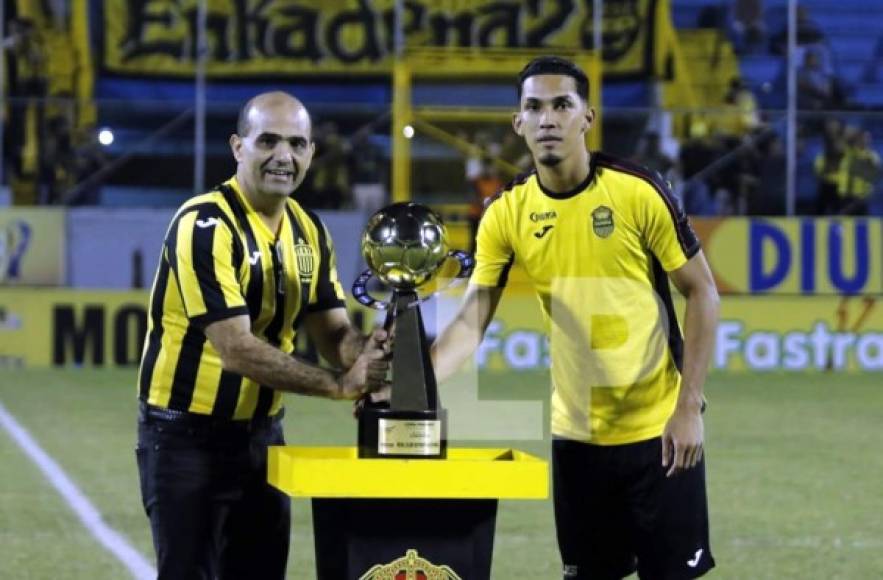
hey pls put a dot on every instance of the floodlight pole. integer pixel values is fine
(791, 114)
(595, 136)
(3, 101)
(399, 28)
(401, 107)
(199, 97)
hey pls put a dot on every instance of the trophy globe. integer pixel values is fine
(405, 246)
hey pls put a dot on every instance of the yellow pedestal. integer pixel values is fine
(374, 518)
(337, 472)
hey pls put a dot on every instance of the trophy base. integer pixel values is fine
(398, 434)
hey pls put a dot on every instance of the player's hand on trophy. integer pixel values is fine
(369, 371)
(381, 395)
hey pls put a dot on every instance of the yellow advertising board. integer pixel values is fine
(807, 333)
(64, 327)
(42, 328)
(755, 333)
(284, 37)
(32, 246)
(807, 256)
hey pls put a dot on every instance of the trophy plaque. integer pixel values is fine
(405, 246)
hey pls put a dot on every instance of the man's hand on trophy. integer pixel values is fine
(389, 341)
(369, 371)
(378, 369)
(379, 386)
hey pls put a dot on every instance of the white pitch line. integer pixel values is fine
(113, 541)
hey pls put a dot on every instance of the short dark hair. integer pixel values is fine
(555, 65)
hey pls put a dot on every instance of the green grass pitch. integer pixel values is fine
(795, 473)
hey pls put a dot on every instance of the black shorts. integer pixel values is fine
(617, 513)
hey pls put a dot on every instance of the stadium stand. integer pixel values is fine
(712, 48)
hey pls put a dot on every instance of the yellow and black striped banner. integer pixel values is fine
(284, 37)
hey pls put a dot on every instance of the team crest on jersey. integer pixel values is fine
(409, 566)
(602, 221)
(306, 261)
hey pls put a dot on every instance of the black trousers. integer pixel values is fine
(204, 488)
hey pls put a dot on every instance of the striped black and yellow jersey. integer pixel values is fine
(597, 257)
(220, 260)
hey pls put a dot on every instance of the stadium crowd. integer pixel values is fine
(730, 160)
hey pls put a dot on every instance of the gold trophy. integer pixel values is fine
(405, 246)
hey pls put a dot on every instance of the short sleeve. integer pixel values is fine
(666, 227)
(494, 253)
(200, 250)
(329, 293)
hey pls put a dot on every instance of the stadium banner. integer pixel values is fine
(32, 246)
(74, 328)
(249, 38)
(808, 256)
(41, 327)
(756, 333)
(812, 333)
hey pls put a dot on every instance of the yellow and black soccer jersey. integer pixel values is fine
(221, 260)
(597, 257)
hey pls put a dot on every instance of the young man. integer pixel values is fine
(600, 238)
(242, 268)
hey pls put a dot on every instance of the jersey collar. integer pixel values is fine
(568, 194)
(253, 216)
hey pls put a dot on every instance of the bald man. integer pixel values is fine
(243, 268)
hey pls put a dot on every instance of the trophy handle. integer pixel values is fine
(363, 297)
(467, 264)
